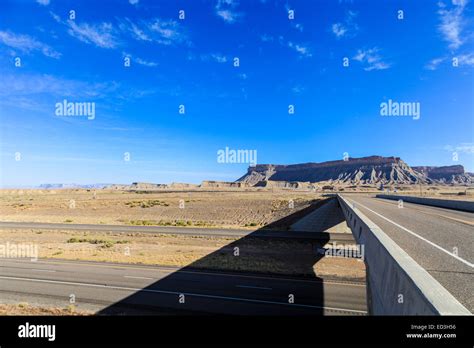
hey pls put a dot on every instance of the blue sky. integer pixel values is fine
(282, 61)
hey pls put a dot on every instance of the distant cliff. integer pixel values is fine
(365, 170)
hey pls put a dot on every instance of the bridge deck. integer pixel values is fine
(440, 240)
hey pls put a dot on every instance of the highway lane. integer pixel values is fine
(214, 232)
(157, 289)
(440, 240)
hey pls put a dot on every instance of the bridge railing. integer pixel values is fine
(396, 284)
(435, 202)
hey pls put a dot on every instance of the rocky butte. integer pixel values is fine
(356, 171)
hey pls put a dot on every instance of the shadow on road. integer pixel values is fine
(195, 289)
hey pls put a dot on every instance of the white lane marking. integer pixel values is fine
(178, 270)
(418, 236)
(42, 270)
(126, 276)
(253, 287)
(179, 293)
(416, 207)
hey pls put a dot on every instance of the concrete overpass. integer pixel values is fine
(419, 258)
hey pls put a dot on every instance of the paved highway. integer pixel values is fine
(121, 288)
(215, 232)
(440, 240)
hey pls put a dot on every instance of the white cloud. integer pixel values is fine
(55, 16)
(43, 2)
(145, 62)
(137, 33)
(29, 85)
(466, 59)
(462, 60)
(298, 89)
(346, 29)
(140, 61)
(27, 44)
(266, 38)
(298, 26)
(166, 32)
(227, 15)
(434, 63)
(452, 23)
(133, 2)
(377, 66)
(338, 29)
(217, 57)
(101, 35)
(371, 59)
(302, 50)
(225, 9)
(467, 148)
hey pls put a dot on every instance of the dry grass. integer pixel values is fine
(236, 209)
(24, 308)
(285, 257)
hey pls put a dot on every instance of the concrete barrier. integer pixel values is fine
(442, 203)
(396, 284)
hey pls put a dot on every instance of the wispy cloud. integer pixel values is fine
(225, 9)
(298, 89)
(140, 61)
(43, 2)
(467, 148)
(466, 59)
(101, 35)
(27, 44)
(219, 58)
(371, 59)
(452, 22)
(266, 38)
(137, 33)
(35, 84)
(462, 60)
(38, 92)
(167, 32)
(434, 63)
(338, 29)
(302, 50)
(298, 26)
(133, 2)
(216, 57)
(107, 35)
(146, 62)
(348, 28)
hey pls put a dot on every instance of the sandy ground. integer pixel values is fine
(237, 209)
(253, 254)
(27, 309)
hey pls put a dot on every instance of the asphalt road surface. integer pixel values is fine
(440, 240)
(215, 232)
(157, 290)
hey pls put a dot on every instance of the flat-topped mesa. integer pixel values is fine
(446, 174)
(365, 170)
(446, 170)
(370, 160)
